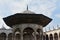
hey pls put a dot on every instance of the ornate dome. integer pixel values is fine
(28, 12)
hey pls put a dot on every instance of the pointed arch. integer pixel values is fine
(27, 34)
(18, 37)
(55, 36)
(17, 34)
(10, 36)
(28, 29)
(3, 36)
(51, 37)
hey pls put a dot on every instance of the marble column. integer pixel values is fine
(21, 35)
(53, 36)
(6, 37)
(41, 34)
(35, 34)
(58, 36)
(13, 37)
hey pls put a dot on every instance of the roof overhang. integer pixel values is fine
(20, 18)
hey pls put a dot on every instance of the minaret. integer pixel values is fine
(49, 28)
(27, 7)
(53, 28)
(57, 26)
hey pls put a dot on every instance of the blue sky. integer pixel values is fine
(50, 8)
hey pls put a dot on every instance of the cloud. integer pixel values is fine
(45, 7)
(57, 15)
(1, 22)
(16, 7)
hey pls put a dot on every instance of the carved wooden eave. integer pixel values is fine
(20, 18)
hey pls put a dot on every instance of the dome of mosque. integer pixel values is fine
(28, 12)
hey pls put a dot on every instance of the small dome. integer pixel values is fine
(28, 12)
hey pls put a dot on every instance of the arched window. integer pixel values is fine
(17, 34)
(3, 36)
(10, 36)
(51, 37)
(47, 38)
(55, 36)
(28, 34)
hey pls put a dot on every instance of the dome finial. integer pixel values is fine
(27, 7)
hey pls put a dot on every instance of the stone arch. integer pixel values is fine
(55, 36)
(51, 37)
(3, 36)
(17, 34)
(47, 38)
(28, 34)
(10, 36)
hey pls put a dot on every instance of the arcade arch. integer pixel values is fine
(28, 34)
(51, 37)
(55, 36)
(17, 34)
(3, 36)
(10, 36)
